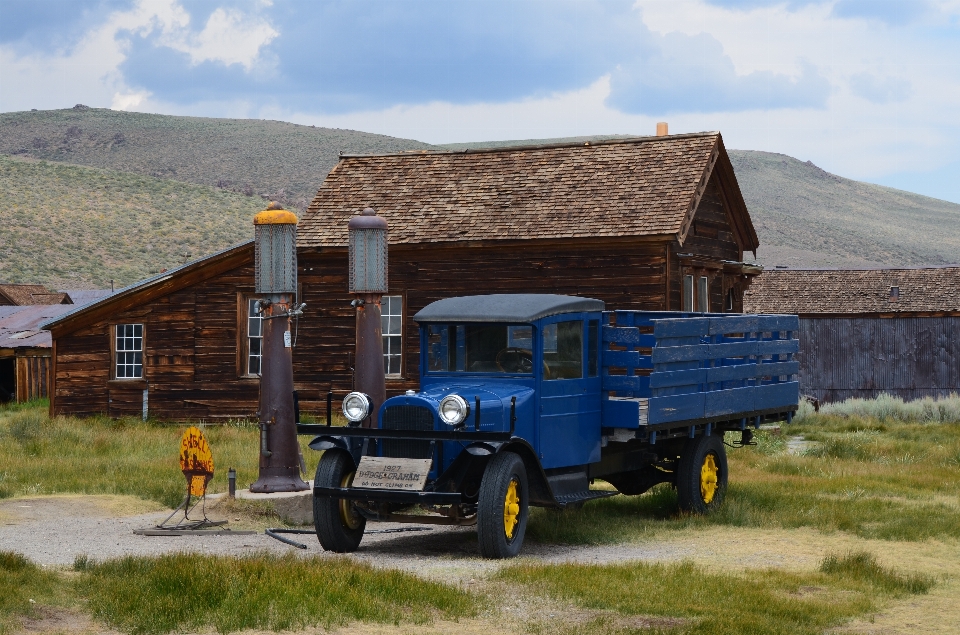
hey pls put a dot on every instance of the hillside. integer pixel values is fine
(69, 226)
(273, 159)
(808, 217)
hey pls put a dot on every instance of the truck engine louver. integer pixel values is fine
(407, 418)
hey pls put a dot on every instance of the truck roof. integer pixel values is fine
(505, 307)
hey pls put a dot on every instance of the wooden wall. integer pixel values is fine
(910, 357)
(190, 358)
(33, 377)
(191, 334)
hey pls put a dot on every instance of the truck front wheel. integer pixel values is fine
(502, 507)
(702, 474)
(339, 526)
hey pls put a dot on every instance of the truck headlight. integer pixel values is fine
(356, 407)
(453, 410)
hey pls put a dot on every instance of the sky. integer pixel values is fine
(867, 89)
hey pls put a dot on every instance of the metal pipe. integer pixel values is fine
(232, 483)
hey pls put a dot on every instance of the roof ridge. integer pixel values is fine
(838, 269)
(543, 146)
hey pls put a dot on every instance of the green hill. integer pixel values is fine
(173, 188)
(273, 159)
(68, 226)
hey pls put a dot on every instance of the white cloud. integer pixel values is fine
(89, 72)
(128, 101)
(228, 37)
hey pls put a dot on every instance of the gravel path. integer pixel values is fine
(52, 531)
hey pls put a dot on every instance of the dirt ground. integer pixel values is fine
(52, 531)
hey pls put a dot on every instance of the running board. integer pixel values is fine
(580, 497)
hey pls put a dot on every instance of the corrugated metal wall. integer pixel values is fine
(910, 357)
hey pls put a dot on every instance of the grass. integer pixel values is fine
(25, 586)
(767, 601)
(99, 455)
(181, 592)
(892, 478)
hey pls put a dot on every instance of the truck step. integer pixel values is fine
(580, 497)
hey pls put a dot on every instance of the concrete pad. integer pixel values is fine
(295, 508)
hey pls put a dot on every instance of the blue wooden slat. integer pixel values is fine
(730, 349)
(625, 383)
(748, 371)
(731, 401)
(777, 347)
(675, 408)
(621, 359)
(733, 324)
(661, 355)
(778, 323)
(616, 413)
(678, 378)
(681, 327)
(777, 395)
(627, 336)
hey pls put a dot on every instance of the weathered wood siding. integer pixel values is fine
(910, 357)
(33, 377)
(190, 358)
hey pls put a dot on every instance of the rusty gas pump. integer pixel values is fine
(368, 283)
(276, 286)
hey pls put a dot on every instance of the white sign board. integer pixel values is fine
(380, 472)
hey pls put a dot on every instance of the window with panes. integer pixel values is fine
(128, 348)
(391, 324)
(254, 338)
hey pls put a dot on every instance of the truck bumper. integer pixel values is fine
(389, 496)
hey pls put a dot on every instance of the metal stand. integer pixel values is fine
(186, 523)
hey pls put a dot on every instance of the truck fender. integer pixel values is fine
(483, 448)
(328, 442)
(540, 492)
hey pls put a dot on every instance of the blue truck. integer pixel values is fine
(527, 399)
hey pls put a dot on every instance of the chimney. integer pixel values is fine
(662, 129)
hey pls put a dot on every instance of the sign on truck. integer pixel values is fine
(527, 399)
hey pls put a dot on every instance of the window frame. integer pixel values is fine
(115, 351)
(387, 353)
(703, 294)
(244, 301)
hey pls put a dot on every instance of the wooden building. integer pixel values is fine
(25, 351)
(654, 223)
(166, 346)
(31, 295)
(867, 332)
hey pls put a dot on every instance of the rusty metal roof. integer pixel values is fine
(644, 186)
(20, 325)
(851, 291)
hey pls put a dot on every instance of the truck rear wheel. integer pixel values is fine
(502, 507)
(339, 526)
(702, 474)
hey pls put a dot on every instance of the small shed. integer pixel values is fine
(25, 351)
(869, 331)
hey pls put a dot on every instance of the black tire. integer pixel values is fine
(339, 526)
(702, 474)
(500, 535)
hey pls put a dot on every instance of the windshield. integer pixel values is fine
(480, 348)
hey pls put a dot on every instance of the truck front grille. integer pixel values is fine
(407, 418)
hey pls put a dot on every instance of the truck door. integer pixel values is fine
(569, 391)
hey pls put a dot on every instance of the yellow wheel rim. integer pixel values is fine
(511, 509)
(348, 517)
(708, 478)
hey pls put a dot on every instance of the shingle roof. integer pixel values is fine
(637, 187)
(839, 291)
(31, 294)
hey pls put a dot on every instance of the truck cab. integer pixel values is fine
(525, 399)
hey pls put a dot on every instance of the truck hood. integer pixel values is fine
(495, 400)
